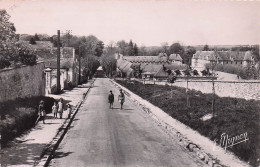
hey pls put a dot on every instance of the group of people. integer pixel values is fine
(57, 110)
(121, 99)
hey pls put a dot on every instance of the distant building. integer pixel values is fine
(175, 59)
(162, 58)
(201, 58)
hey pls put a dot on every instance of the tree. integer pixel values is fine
(164, 47)
(7, 40)
(142, 51)
(32, 41)
(206, 48)
(189, 52)
(135, 50)
(195, 72)
(99, 49)
(130, 49)
(108, 63)
(122, 45)
(256, 53)
(177, 72)
(111, 47)
(36, 37)
(177, 49)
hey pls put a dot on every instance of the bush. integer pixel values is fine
(4, 63)
(20, 115)
(28, 59)
(233, 116)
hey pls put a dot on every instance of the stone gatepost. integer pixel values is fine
(48, 80)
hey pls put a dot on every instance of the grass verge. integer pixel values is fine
(233, 116)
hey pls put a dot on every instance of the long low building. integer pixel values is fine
(201, 58)
(162, 58)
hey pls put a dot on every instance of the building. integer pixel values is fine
(201, 58)
(162, 58)
(175, 59)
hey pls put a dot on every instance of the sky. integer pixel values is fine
(146, 22)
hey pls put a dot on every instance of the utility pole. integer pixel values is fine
(58, 64)
(79, 67)
(187, 88)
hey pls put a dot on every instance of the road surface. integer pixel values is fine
(100, 136)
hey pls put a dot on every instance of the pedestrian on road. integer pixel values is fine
(60, 107)
(121, 99)
(41, 112)
(69, 110)
(111, 99)
(55, 110)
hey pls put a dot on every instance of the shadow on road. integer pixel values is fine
(61, 154)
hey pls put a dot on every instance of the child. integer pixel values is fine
(121, 98)
(69, 110)
(60, 107)
(41, 112)
(111, 99)
(55, 110)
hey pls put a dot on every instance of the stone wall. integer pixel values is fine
(245, 89)
(25, 81)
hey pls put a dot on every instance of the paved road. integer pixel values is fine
(100, 136)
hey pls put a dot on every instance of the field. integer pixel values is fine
(233, 116)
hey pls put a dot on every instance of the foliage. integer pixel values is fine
(122, 46)
(189, 52)
(176, 48)
(234, 116)
(4, 63)
(177, 72)
(32, 41)
(130, 49)
(195, 72)
(36, 38)
(7, 39)
(27, 58)
(90, 65)
(11, 52)
(206, 48)
(205, 73)
(164, 47)
(108, 63)
(99, 48)
(187, 72)
(135, 49)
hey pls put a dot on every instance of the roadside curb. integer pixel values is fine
(165, 121)
(48, 152)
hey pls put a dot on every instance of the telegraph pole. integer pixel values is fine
(79, 67)
(58, 63)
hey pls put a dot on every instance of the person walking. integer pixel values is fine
(41, 112)
(55, 110)
(121, 99)
(111, 99)
(69, 109)
(60, 108)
